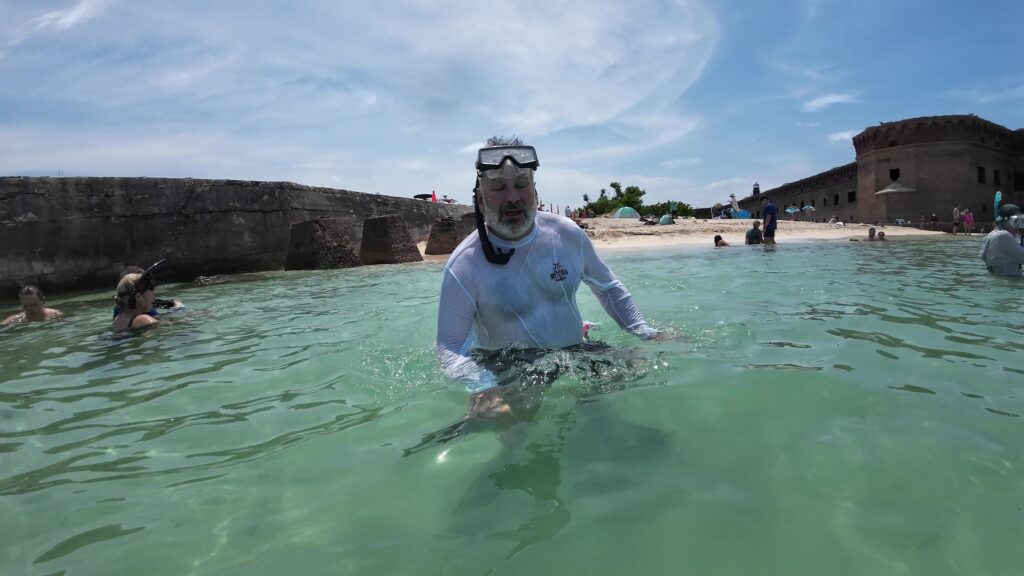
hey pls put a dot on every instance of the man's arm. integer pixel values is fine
(611, 293)
(455, 315)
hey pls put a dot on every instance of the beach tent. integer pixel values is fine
(666, 219)
(625, 212)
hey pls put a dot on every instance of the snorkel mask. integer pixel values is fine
(145, 282)
(491, 162)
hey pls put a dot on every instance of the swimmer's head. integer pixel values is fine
(1010, 216)
(33, 303)
(507, 193)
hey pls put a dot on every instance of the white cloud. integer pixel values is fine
(347, 95)
(822, 102)
(69, 17)
(845, 136)
(677, 162)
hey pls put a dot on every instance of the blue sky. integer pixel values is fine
(689, 100)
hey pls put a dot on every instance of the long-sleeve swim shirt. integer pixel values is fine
(1002, 253)
(529, 302)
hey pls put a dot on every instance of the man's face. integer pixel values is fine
(508, 200)
(32, 305)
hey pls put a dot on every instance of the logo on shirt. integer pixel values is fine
(558, 273)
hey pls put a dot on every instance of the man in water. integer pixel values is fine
(771, 219)
(1001, 251)
(754, 234)
(33, 307)
(513, 282)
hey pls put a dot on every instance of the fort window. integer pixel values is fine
(893, 143)
(981, 174)
(824, 201)
(894, 174)
(835, 199)
(851, 196)
(995, 177)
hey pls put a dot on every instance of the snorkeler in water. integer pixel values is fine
(33, 307)
(134, 298)
(514, 282)
(158, 303)
(1002, 252)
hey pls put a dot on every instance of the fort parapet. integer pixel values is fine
(913, 168)
(74, 233)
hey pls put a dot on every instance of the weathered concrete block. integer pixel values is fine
(447, 233)
(320, 244)
(386, 240)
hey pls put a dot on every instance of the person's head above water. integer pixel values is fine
(33, 303)
(135, 290)
(507, 195)
(871, 233)
(504, 195)
(1009, 217)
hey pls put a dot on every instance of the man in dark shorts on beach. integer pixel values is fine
(771, 219)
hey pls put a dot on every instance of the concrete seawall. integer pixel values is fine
(75, 233)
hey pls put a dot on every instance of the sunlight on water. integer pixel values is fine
(842, 408)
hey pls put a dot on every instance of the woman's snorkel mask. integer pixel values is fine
(145, 282)
(493, 159)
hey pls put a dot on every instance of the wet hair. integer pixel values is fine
(505, 141)
(31, 290)
(718, 238)
(130, 270)
(125, 297)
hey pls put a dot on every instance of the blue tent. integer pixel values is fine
(666, 219)
(625, 212)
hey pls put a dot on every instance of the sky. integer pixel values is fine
(690, 100)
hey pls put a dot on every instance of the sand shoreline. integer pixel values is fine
(616, 234)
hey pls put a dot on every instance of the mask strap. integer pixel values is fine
(493, 256)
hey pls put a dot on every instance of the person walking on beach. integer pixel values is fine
(513, 282)
(771, 219)
(1002, 251)
(33, 307)
(968, 217)
(956, 218)
(754, 235)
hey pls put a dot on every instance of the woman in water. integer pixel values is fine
(135, 295)
(33, 307)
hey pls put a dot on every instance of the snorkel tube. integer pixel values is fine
(145, 282)
(492, 255)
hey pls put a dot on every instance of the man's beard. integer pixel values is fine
(510, 230)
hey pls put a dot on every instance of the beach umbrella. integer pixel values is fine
(792, 210)
(809, 208)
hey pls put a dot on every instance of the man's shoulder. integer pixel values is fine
(467, 249)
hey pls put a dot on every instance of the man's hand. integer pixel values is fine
(489, 403)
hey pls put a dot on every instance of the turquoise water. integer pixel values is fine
(840, 408)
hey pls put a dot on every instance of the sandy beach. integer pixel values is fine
(613, 233)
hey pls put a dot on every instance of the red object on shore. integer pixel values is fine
(433, 196)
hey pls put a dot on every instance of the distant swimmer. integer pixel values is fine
(1002, 251)
(33, 307)
(513, 282)
(719, 241)
(134, 299)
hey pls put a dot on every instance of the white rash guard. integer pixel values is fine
(1002, 253)
(530, 302)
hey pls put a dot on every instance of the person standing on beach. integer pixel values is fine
(771, 219)
(968, 217)
(513, 282)
(33, 307)
(956, 218)
(1002, 251)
